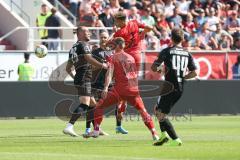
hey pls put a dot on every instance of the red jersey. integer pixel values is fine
(125, 73)
(130, 33)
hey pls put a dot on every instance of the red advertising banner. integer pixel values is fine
(210, 65)
(232, 59)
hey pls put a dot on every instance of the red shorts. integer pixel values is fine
(113, 98)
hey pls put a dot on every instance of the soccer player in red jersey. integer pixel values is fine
(130, 32)
(123, 68)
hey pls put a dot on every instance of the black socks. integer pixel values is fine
(166, 125)
(78, 112)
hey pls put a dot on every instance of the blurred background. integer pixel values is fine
(211, 34)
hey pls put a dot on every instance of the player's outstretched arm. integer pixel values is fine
(94, 62)
(190, 75)
(69, 69)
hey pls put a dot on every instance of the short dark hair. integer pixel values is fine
(78, 29)
(119, 41)
(120, 15)
(53, 10)
(177, 35)
(43, 5)
(26, 56)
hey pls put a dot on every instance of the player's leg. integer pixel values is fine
(90, 119)
(120, 109)
(147, 119)
(90, 115)
(84, 104)
(111, 99)
(164, 106)
(84, 92)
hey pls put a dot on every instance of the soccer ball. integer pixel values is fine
(41, 51)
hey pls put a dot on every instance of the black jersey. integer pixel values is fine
(177, 62)
(98, 77)
(82, 67)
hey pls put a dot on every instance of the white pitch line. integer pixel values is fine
(79, 156)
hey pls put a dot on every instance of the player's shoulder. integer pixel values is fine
(178, 50)
(166, 50)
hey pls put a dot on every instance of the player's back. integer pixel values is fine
(177, 61)
(125, 74)
(130, 33)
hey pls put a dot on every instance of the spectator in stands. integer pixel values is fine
(168, 8)
(146, 18)
(236, 45)
(206, 39)
(151, 41)
(165, 40)
(96, 23)
(200, 19)
(106, 17)
(219, 32)
(125, 4)
(158, 6)
(212, 19)
(189, 25)
(193, 41)
(194, 7)
(53, 34)
(236, 69)
(209, 4)
(40, 22)
(97, 6)
(133, 14)
(25, 69)
(183, 7)
(73, 7)
(223, 43)
(86, 8)
(114, 6)
(175, 20)
(161, 22)
(232, 23)
(86, 13)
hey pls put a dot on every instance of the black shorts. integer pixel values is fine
(84, 88)
(166, 103)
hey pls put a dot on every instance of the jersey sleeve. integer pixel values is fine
(191, 63)
(84, 49)
(161, 57)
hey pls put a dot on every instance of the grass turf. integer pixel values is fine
(204, 138)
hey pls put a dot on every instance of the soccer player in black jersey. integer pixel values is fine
(179, 67)
(81, 59)
(102, 54)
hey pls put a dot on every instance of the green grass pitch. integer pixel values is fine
(204, 138)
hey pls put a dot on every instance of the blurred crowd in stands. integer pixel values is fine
(208, 24)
